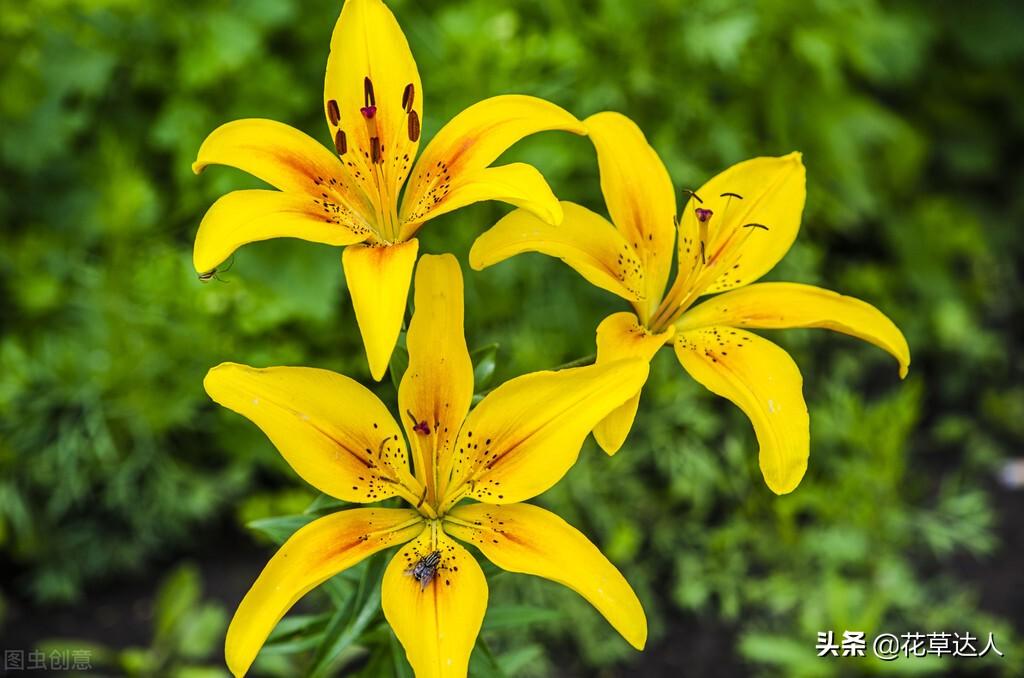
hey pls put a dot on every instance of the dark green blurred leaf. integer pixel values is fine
(279, 529)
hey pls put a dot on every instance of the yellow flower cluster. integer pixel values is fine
(526, 434)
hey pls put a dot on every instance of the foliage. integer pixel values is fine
(910, 121)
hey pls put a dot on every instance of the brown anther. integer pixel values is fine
(375, 157)
(333, 112)
(414, 126)
(408, 95)
(368, 98)
(340, 142)
(693, 194)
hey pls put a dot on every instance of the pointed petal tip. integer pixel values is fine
(608, 439)
(198, 167)
(477, 262)
(638, 641)
(216, 375)
(904, 362)
(783, 486)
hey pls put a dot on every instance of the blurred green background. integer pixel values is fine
(125, 493)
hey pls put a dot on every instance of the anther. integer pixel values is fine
(731, 195)
(340, 142)
(414, 126)
(693, 194)
(375, 157)
(408, 95)
(368, 97)
(762, 226)
(333, 112)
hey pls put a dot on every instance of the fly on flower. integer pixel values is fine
(348, 194)
(425, 568)
(516, 443)
(731, 232)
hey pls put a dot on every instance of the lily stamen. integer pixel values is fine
(408, 95)
(333, 112)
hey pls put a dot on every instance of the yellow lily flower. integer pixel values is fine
(349, 195)
(732, 231)
(516, 443)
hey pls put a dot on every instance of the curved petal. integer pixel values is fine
(331, 429)
(639, 195)
(285, 158)
(620, 336)
(378, 279)
(763, 381)
(584, 240)
(471, 141)
(241, 217)
(516, 184)
(437, 387)
(783, 305)
(531, 540)
(436, 618)
(312, 555)
(523, 437)
(373, 98)
(752, 213)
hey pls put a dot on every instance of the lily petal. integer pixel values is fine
(285, 158)
(378, 279)
(531, 540)
(437, 621)
(639, 195)
(755, 208)
(375, 88)
(523, 437)
(763, 381)
(331, 429)
(437, 387)
(783, 305)
(584, 240)
(517, 184)
(242, 217)
(312, 555)
(471, 141)
(619, 336)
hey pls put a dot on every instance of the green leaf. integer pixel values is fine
(398, 659)
(280, 528)
(483, 663)
(203, 631)
(324, 503)
(484, 363)
(297, 624)
(513, 616)
(351, 620)
(399, 362)
(178, 594)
